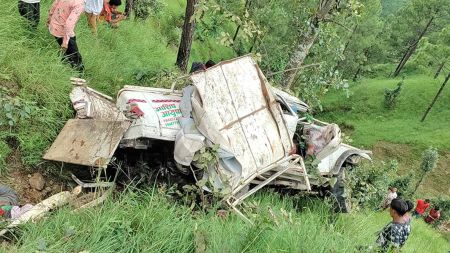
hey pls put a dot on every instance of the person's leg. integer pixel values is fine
(92, 22)
(73, 55)
(36, 15)
(22, 10)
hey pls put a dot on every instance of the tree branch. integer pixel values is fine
(337, 23)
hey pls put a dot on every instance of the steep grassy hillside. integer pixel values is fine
(368, 121)
(135, 53)
(148, 222)
(398, 133)
(145, 221)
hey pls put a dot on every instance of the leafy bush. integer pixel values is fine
(404, 184)
(143, 8)
(430, 158)
(4, 152)
(13, 109)
(390, 96)
(369, 183)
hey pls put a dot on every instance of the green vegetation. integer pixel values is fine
(365, 118)
(31, 70)
(144, 53)
(147, 222)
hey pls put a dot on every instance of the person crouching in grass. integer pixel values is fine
(111, 14)
(93, 8)
(395, 234)
(62, 19)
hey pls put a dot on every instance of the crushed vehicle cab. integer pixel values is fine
(254, 130)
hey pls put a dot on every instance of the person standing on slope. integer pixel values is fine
(93, 8)
(62, 19)
(395, 234)
(30, 9)
(392, 194)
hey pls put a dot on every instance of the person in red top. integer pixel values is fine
(111, 14)
(421, 207)
(433, 215)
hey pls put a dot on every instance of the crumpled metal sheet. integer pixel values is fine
(89, 142)
(92, 104)
(234, 107)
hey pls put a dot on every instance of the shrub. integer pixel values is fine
(143, 8)
(390, 96)
(430, 158)
(4, 152)
(368, 184)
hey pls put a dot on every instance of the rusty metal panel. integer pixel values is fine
(88, 142)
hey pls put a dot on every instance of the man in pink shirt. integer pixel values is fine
(62, 19)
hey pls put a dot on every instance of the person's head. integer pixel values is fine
(210, 63)
(196, 66)
(115, 3)
(398, 208)
(427, 201)
(436, 208)
(410, 205)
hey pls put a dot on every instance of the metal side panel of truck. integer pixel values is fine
(158, 113)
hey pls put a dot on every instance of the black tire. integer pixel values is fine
(340, 194)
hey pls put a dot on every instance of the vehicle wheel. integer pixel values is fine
(341, 194)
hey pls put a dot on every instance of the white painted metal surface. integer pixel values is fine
(237, 99)
(160, 108)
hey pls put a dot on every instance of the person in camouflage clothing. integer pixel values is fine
(395, 233)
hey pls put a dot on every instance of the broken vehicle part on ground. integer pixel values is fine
(92, 138)
(256, 128)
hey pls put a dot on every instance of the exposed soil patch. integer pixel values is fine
(11, 87)
(405, 156)
(19, 176)
(436, 183)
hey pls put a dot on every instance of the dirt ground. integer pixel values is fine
(18, 179)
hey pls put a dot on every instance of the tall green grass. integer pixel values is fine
(370, 122)
(114, 58)
(147, 222)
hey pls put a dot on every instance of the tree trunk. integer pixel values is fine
(419, 183)
(435, 97)
(186, 37)
(411, 49)
(306, 40)
(128, 7)
(345, 48)
(355, 77)
(246, 6)
(254, 43)
(439, 70)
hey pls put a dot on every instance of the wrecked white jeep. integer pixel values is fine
(242, 82)
(259, 134)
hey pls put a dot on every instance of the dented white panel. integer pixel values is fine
(235, 97)
(160, 110)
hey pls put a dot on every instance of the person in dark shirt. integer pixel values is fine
(396, 232)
